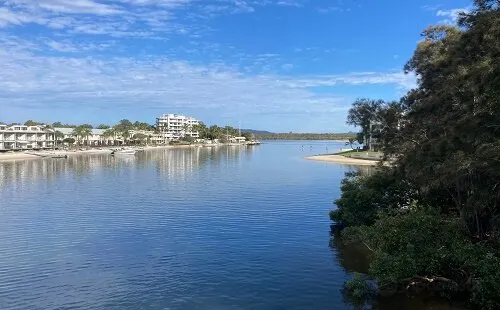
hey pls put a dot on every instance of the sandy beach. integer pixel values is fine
(343, 160)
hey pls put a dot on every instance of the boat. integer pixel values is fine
(124, 152)
(253, 142)
(58, 156)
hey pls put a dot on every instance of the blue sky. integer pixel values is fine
(279, 65)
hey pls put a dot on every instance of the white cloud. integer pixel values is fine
(451, 16)
(294, 3)
(331, 9)
(34, 82)
(57, 72)
(64, 6)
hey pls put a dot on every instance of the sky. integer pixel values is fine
(277, 65)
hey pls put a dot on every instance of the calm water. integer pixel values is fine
(222, 228)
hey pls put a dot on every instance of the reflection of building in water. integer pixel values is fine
(173, 163)
(20, 172)
(179, 163)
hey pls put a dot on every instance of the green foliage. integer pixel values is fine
(248, 136)
(358, 288)
(363, 197)
(139, 137)
(306, 136)
(419, 248)
(82, 132)
(142, 126)
(215, 132)
(433, 217)
(32, 123)
(108, 133)
(61, 125)
(69, 140)
(188, 139)
(103, 126)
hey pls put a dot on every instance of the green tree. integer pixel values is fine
(70, 141)
(248, 136)
(81, 133)
(364, 113)
(139, 138)
(110, 133)
(435, 218)
(202, 130)
(142, 126)
(103, 126)
(59, 136)
(32, 123)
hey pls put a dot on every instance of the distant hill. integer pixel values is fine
(306, 136)
(257, 132)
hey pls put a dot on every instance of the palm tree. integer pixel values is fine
(58, 136)
(108, 133)
(86, 132)
(81, 132)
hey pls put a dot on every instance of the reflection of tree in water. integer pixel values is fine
(352, 257)
(179, 163)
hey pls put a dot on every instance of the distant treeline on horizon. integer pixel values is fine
(306, 136)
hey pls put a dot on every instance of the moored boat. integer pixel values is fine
(124, 152)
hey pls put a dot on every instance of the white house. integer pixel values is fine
(20, 137)
(151, 136)
(237, 139)
(95, 139)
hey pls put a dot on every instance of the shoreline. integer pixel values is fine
(339, 159)
(25, 155)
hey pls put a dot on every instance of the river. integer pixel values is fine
(201, 228)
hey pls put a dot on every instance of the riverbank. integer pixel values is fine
(339, 159)
(25, 155)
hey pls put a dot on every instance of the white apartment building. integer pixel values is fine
(20, 137)
(175, 126)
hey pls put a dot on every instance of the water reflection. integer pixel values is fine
(170, 163)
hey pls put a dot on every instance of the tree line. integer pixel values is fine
(431, 219)
(220, 133)
(306, 136)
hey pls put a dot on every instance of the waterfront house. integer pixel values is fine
(96, 138)
(20, 137)
(237, 140)
(150, 136)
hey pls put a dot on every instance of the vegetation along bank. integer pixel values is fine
(431, 219)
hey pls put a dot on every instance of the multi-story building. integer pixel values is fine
(20, 137)
(175, 126)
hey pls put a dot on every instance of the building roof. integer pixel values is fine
(69, 131)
